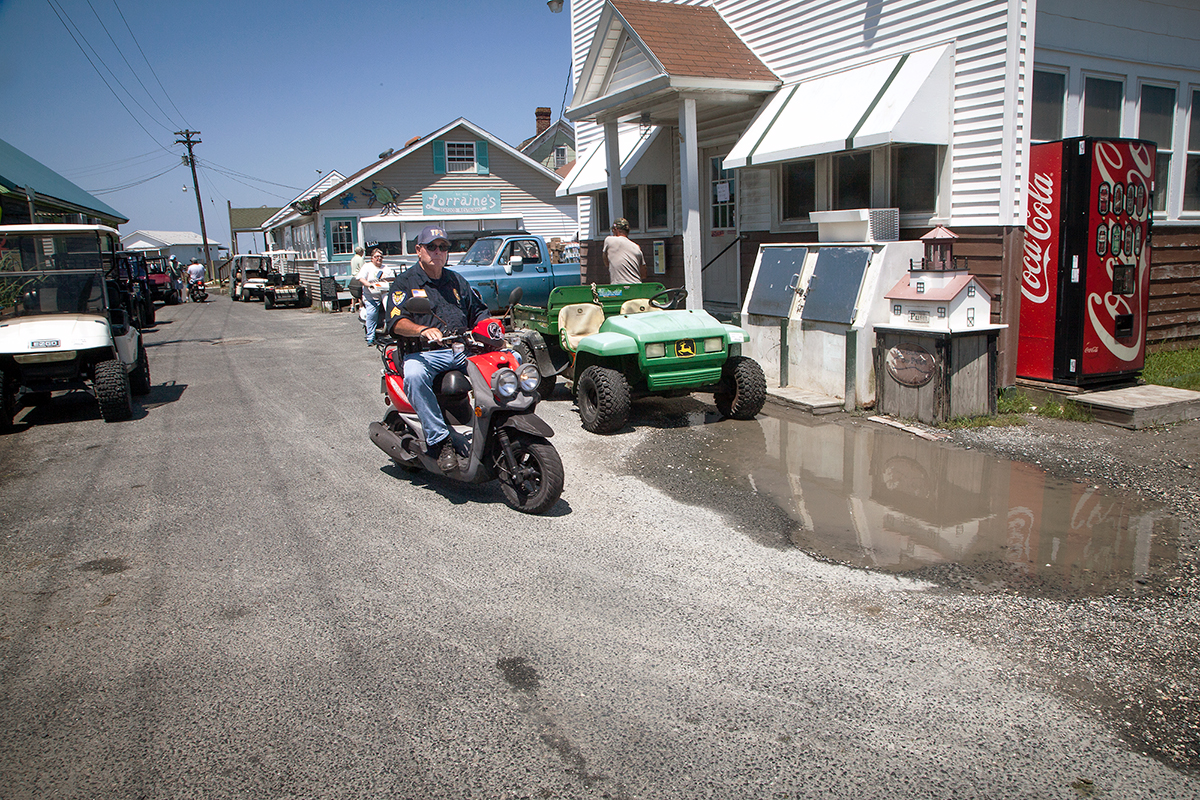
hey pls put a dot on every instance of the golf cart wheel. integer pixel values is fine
(743, 388)
(603, 398)
(305, 300)
(139, 379)
(525, 350)
(268, 300)
(8, 401)
(151, 315)
(113, 392)
(539, 480)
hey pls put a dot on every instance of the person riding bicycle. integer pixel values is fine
(454, 309)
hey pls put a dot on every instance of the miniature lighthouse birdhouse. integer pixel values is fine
(936, 357)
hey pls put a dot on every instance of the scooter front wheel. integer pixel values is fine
(538, 481)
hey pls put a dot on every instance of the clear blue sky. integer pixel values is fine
(278, 90)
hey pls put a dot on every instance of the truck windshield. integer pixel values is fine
(52, 273)
(482, 252)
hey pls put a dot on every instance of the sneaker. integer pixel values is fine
(447, 459)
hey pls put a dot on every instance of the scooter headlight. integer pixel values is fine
(529, 378)
(505, 383)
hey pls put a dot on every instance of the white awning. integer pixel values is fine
(590, 173)
(904, 99)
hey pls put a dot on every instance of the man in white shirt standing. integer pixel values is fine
(371, 272)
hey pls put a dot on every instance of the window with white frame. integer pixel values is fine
(1049, 93)
(460, 157)
(1156, 122)
(1102, 100)
(560, 157)
(646, 208)
(1191, 187)
(911, 182)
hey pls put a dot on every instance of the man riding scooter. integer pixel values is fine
(195, 275)
(453, 308)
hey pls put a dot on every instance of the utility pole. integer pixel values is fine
(190, 160)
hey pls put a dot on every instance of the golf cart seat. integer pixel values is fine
(576, 321)
(637, 305)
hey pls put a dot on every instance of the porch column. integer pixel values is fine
(689, 180)
(612, 152)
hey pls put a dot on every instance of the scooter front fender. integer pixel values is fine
(529, 423)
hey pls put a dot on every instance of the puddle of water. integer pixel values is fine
(866, 495)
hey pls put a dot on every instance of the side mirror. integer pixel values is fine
(120, 320)
(516, 262)
(515, 296)
(418, 305)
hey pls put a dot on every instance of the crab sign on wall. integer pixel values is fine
(388, 198)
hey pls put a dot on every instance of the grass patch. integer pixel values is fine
(1068, 410)
(1178, 368)
(998, 421)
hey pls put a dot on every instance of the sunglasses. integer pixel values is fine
(445, 248)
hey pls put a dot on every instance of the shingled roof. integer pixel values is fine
(692, 41)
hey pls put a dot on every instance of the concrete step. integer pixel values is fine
(1133, 406)
(804, 400)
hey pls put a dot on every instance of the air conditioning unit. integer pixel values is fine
(858, 225)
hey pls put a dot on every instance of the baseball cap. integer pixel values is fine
(622, 223)
(430, 233)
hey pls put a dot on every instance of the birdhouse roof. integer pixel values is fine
(939, 233)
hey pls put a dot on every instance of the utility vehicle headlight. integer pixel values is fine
(714, 345)
(656, 350)
(529, 377)
(505, 383)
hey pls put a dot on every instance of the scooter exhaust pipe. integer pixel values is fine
(390, 443)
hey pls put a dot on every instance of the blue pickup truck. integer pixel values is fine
(495, 265)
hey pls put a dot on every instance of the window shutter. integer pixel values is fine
(439, 157)
(481, 158)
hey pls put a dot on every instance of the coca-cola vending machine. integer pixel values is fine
(1085, 281)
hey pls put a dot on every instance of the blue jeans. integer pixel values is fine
(371, 317)
(420, 371)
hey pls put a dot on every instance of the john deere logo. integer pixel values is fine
(685, 348)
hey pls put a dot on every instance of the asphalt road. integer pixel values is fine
(234, 595)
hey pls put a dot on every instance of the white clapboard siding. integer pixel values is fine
(804, 39)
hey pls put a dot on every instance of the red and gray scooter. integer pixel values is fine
(492, 403)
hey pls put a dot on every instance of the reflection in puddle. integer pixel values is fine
(866, 495)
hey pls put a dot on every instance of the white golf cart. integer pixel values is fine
(248, 277)
(65, 322)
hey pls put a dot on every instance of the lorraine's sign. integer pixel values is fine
(440, 204)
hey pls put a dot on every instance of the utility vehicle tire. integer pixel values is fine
(742, 390)
(8, 401)
(525, 350)
(113, 392)
(139, 379)
(603, 398)
(151, 315)
(539, 480)
(305, 300)
(268, 300)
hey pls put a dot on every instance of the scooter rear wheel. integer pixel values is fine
(539, 480)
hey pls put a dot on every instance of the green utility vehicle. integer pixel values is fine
(615, 343)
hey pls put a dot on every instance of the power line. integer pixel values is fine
(126, 60)
(148, 64)
(231, 172)
(113, 166)
(132, 116)
(137, 182)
